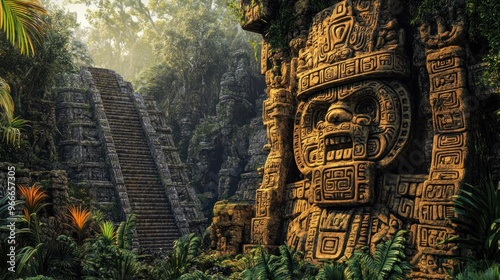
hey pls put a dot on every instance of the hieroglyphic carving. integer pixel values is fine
(352, 41)
(352, 124)
(447, 78)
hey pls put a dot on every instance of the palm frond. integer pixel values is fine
(12, 131)
(390, 253)
(23, 23)
(287, 258)
(125, 232)
(125, 266)
(478, 216)
(26, 255)
(6, 102)
(195, 275)
(354, 270)
(490, 273)
(332, 271)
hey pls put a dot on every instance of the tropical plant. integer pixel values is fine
(31, 260)
(34, 199)
(125, 266)
(56, 258)
(471, 272)
(332, 271)
(80, 220)
(478, 217)
(179, 261)
(268, 266)
(24, 25)
(108, 231)
(195, 275)
(10, 125)
(125, 232)
(387, 262)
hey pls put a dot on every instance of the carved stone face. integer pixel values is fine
(358, 122)
(342, 133)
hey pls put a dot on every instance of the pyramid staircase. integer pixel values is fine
(156, 224)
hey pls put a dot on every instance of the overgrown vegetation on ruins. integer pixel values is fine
(93, 248)
(177, 52)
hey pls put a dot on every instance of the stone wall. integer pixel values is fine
(88, 153)
(55, 184)
(84, 143)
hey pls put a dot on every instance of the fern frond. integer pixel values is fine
(389, 254)
(332, 271)
(125, 232)
(354, 269)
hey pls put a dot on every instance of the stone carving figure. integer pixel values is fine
(344, 86)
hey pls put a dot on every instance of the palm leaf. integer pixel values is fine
(6, 102)
(195, 275)
(262, 267)
(26, 255)
(354, 270)
(194, 245)
(11, 125)
(389, 254)
(23, 23)
(332, 271)
(125, 232)
(287, 258)
(478, 216)
(12, 131)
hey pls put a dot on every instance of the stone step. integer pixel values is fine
(132, 142)
(139, 169)
(157, 246)
(124, 113)
(152, 235)
(113, 102)
(131, 149)
(117, 98)
(151, 194)
(139, 163)
(132, 180)
(160, 225)
(156, 214)
(156, 227)
(141, 177)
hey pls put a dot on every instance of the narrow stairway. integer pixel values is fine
(156, 227)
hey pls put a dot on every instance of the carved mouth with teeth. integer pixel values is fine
(338, 147)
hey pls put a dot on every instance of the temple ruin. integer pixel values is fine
(368, 123)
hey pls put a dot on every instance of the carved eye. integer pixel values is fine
(368, 107)
(319, 115)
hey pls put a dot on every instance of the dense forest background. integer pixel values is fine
(175, 51)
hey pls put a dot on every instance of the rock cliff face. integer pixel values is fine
(225, 150)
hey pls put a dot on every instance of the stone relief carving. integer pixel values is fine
(339, 118)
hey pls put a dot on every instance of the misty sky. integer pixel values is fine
(78, 8)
